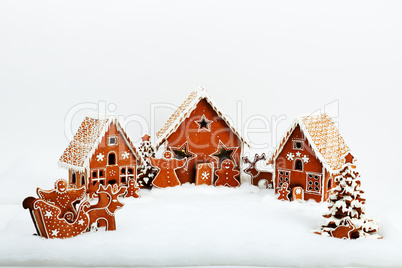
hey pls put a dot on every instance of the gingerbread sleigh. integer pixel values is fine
(55, 215)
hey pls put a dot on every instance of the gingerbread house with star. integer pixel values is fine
(308, 157)
(201, 134)
(100, 153)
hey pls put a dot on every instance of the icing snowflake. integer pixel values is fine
(205, 175)
(305, 159)
(55, 232)
(125, 155)
(298, 191)
(100, 157)
(112, 173)
(290, 156)
(81, 222)
(298, 154)
(48, 214)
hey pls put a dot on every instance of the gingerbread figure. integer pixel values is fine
(64, 198)
(227, 174)
(284, 192)
(167, 166)
(132, 189)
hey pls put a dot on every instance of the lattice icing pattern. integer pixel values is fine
(327, 139)
(84, 141)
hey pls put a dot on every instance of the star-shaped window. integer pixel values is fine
(223, 153)
(182, 153)
(204, 124)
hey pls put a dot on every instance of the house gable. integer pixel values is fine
(298, 165)
(202, 134)
(124, 155)
(98, 152)
(184, 111)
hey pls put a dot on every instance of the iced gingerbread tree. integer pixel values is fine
(346, 217)
(146, 172)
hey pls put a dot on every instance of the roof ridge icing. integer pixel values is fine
(184, 111)
(324, 138)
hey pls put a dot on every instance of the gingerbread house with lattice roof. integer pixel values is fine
(100, 153)
(308, 157)
(199, 132)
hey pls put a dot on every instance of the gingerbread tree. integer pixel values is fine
(146, 172)
(346, 217)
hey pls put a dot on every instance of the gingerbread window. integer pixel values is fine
(329, 184)
(204, 124)
(298, 165)
(283, 176)
(298, 145)
(112, 140)
(83, 180)
(313, 182)
(223, 154)
(73, 178)
(98, 175)
(126, 173)
(111, 159)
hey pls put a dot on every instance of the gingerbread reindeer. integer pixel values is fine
(103, 213)
(256, 174)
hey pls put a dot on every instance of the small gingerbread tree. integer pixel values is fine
(146, 172)
(346, 217)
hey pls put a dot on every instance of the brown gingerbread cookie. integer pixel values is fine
(63, 197)
(132, 189)
(50, 224)
(227, 174)
(167, 166)
(103, 212)
(284, 192)
(343, 231)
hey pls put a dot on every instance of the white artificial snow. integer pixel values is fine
(198, 225)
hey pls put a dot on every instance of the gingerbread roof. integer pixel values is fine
(324, 138)
(90, 133)
(184, 112)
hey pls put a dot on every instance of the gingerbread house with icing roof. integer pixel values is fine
(308, 157)
(199, 132)
(100, 153)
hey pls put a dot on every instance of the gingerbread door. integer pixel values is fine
(112, 174)
(297, 193)
(204, 174)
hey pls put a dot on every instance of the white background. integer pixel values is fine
(280, 58)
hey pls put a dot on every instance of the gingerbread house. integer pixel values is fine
(308, 158)
(100, 153)
(199, 132)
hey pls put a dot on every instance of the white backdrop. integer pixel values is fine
(280, 58)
